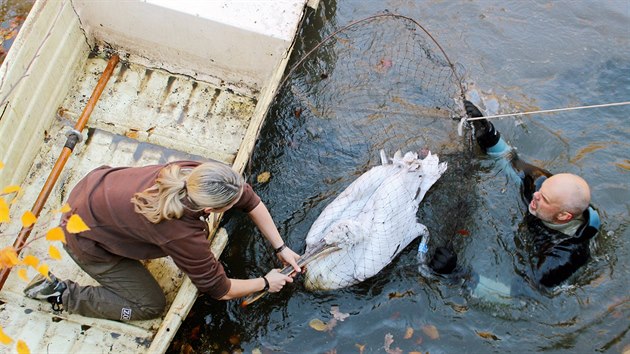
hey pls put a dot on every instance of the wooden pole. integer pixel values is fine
(73, 137)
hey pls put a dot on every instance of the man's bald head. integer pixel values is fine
(561, 198)
(570, 191)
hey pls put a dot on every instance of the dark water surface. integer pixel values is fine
(12, 15)
(518, 56)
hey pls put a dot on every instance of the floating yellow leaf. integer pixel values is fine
(8, 257)
(487, 335)
(431, 331)
(56, 234)
(408, 333)
(65, 208)
(31, 261)
(318, 325)
(22, 274)
(11, 189)
(43, 270)
(1, 164)
(22, 348)
(4, 211)
(263, 177)
(28, 219)
(54, 252)
(76, 224)
(4, 339)
(361, 347)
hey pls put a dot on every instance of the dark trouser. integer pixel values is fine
(127, 292)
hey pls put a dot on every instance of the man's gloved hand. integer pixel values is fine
(471, 110)
(444, 260)
(485, 133)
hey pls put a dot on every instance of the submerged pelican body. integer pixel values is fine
(371, 221)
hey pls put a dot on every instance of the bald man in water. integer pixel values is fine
(560, 222)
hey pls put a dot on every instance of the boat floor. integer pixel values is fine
(144, 116)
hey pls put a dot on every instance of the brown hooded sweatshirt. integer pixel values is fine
(103, 200)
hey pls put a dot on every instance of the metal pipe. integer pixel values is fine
(73, 138)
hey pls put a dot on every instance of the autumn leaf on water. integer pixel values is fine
(1, 165)
(408, 333)
(56, 234)
(431, 331)
(383, 65)
(397, 295)
(22, 348)
(334, 310)
(4, 211)
(28, 219)
(22, 274)
(487, 335)
(263, 177)
(463, 232)
(76, 224)
(318, 325)
(194, 333)
(54, 252)
(361, 347)
(389, 339)
(31, 261)
(235, 339)
(9, 257)
(4, 339)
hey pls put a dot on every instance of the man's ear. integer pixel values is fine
(564, 216)
(208, 210)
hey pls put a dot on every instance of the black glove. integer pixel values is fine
(444, 260)
(471, 110)
(485, 133)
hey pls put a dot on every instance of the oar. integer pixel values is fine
(304, 260)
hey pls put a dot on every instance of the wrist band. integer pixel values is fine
(266, 284)
(279, 249)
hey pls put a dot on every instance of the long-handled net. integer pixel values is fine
(382, 82)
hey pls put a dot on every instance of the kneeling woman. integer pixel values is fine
(138, 213)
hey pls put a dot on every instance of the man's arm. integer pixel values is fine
(491, 142)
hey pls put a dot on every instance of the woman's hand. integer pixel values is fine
(287, 256)
(277, 280)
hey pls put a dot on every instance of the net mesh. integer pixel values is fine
(381, 83)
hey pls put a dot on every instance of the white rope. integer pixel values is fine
(548, 111)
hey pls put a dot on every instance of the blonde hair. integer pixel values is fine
(209, 185)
